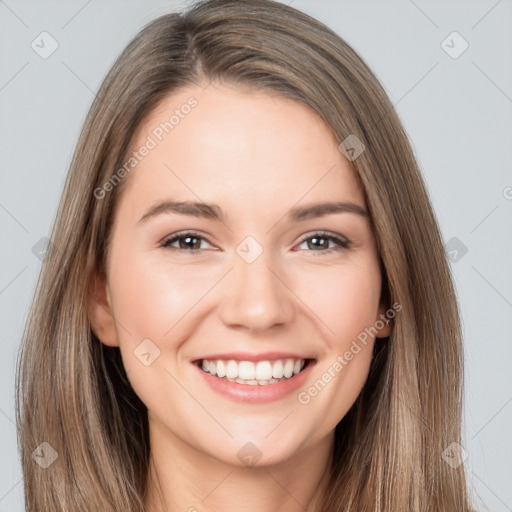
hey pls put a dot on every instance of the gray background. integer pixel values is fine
(455, 110)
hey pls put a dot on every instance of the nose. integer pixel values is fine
(256, 296)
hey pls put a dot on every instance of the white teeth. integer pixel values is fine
(252, 382)
(248, 372)
(288, 368)
(263, 371)
(232, 370)
(221, 369)
(277, 369)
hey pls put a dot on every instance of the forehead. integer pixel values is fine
(223, 143)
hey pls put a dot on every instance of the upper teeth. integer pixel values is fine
(247, 370)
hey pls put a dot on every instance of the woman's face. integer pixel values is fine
(222, 252)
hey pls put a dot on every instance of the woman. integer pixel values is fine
(247, 303)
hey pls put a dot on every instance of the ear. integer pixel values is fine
(100, 311)
(383, 323)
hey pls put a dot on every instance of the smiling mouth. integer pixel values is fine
(251, 373)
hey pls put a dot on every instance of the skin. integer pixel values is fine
(256, 155)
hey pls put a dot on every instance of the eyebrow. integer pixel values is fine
(214, 212)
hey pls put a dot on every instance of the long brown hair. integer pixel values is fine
(72, 390)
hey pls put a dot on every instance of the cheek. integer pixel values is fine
(345, 299)
(156, 299)
(347, 304)
(153, 298)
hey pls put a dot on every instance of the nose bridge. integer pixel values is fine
(257, 298)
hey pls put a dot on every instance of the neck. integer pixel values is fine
(181, 478)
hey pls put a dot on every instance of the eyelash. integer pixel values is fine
(342, 243)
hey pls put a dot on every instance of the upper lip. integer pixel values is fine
(246, 356)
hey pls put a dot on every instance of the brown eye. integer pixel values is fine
(190, 242)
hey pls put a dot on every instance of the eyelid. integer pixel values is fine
(341, 241)
(326, 234)
(183, 234)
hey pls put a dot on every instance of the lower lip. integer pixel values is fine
(257, 394)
